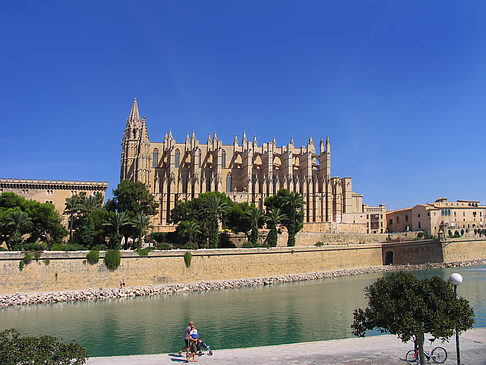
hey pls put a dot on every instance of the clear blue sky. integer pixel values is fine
(399, 86)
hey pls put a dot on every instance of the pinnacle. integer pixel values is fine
(134, 112)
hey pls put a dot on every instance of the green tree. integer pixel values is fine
(291, 205)
(190, 229)
(15, 349)
(141, 223)
(20, 223)
(46, 223)
(216, 208)
(257, 219)
(407, 307)
(237, 218)
(274, 217)
(115, 222)
(72, 207)
(133, 197)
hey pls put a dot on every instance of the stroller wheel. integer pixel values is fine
(210, 353)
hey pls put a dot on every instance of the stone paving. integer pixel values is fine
(379, 350)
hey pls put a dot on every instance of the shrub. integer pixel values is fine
(457, 234)
(37, 255)
(93, 257)
(164, 246)
(462, 232)
(420, 235)
(27, 259)
(34, 247)
(15, 349)
(225, 242)
(159, 237)
(189, 246)
(187, 259)
(319, 244)
(99, 247)
(248, 244)
(112, 259)
(144, 251)
(47, 262)
(21, 265)
(67, 247)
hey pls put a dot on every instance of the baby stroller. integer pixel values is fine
(202, 345)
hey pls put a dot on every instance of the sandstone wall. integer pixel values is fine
(463, 249)
(70, 271)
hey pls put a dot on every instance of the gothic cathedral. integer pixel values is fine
(246, 172)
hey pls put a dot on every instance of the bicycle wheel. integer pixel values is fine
(439, 355)
(411, 357)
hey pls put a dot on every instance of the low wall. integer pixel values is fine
(306, 238)
(70, 271)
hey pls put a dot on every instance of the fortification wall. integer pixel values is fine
(463, 249)
(70, 271)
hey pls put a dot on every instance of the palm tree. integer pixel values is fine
(141, 223)
(90, 204)
(256, 216)
(19, 221)
(293, 202)
(274, 217)
(191, 228)
(71, 209)
(117, 221)
(216, 208)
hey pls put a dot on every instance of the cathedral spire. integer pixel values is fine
(321, 146)
(244, 141)
(328, 145)
(235, 141)
(134, 116)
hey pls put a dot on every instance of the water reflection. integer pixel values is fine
(287, 313)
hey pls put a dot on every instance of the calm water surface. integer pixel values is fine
(287, 313)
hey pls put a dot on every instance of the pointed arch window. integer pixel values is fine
(229, 184)
(177, 159)
(155, 158)
(199, 158)
(223, 159)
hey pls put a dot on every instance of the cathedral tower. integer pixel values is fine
(135, 159)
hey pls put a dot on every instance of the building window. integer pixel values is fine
(223, 160)
(420, 226)
(418, 215)
(406, 218)
(177, 159)
(229, 184)
(391, 222)
(474, 214)
(155, 158)
(398, 220)
(199, 158)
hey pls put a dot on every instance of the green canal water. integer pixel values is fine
(270, 315)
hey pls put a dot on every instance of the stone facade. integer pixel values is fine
(460, 215)
(245, 171)
(52, 191)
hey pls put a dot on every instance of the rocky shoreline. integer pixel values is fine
(18, 299)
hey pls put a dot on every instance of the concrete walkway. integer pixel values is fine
(379, 350)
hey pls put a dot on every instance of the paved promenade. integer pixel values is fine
(379, 350)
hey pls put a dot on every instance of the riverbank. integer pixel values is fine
(378, 350)
(171, 289)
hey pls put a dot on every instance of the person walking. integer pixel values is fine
(187, 336)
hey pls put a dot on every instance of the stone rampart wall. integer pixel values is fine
(70, 271)
(304, 238)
